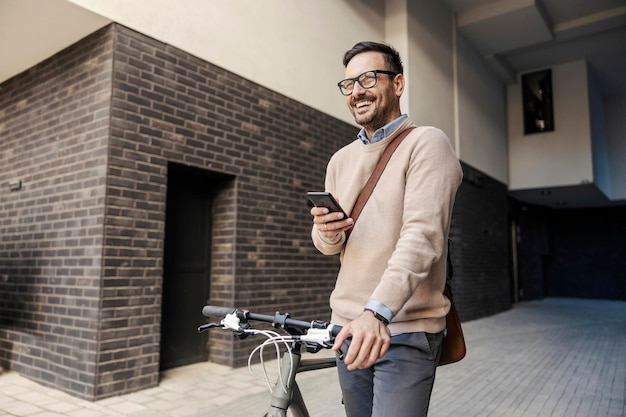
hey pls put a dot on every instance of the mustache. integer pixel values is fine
(362, 97)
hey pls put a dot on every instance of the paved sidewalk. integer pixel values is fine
(556, 357)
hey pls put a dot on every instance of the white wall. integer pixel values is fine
(559, 158)
(429, 58)
(482, 125)
(34, 30)
(396, 34)
(292, 47)
(469, 107)
(296, 47)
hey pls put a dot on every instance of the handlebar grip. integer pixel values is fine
(216, 311)
(335, 330)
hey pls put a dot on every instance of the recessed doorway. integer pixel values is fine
(187, 262)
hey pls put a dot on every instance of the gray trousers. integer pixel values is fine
(399, 384)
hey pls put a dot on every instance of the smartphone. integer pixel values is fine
(326, 199)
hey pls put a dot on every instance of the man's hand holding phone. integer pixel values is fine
(328, 216)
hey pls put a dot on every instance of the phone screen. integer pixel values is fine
(325, 199)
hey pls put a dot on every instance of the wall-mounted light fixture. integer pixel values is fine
(15, 185)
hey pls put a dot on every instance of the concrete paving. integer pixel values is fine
(549, 358)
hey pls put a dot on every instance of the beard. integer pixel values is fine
(379, 113)
(372, 120)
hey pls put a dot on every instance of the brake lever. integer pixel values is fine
(207, 326)
(340, 354)
(313, 347)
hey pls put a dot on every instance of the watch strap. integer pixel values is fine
(379, 316)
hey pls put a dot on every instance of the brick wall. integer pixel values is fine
(91, 133)
(169, 106)
(588, 254)
(571, 252)
(480, 248)
(54, 130)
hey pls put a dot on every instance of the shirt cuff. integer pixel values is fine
(380, 308)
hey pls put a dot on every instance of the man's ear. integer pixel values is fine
(398, 84)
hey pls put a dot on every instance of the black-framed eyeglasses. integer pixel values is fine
(367, 80)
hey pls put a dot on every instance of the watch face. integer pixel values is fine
(378, 316)
(381, 318)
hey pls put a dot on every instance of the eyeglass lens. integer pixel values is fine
(366, 80)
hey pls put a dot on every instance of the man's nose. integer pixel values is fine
(357, 89)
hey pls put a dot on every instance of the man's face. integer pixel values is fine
(374, 107)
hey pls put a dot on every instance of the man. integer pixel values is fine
(389, 290)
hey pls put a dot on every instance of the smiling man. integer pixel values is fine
(389, 290)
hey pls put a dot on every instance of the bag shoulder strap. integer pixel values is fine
(449, 273)
(373, 179)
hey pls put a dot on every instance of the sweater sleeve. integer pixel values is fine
(327, 246)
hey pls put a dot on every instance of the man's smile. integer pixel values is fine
(362, 106)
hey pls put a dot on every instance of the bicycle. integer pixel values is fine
(313, 336)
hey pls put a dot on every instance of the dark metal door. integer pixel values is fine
(187, 263)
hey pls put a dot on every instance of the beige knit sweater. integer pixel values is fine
(397, 250)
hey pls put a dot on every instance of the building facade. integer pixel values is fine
(140, 182)
(115, 140)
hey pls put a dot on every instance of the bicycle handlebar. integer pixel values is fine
(215, 311)
(278, 319)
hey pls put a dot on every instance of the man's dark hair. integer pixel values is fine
(392, 57)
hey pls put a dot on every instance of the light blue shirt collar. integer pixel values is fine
(383, 132)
